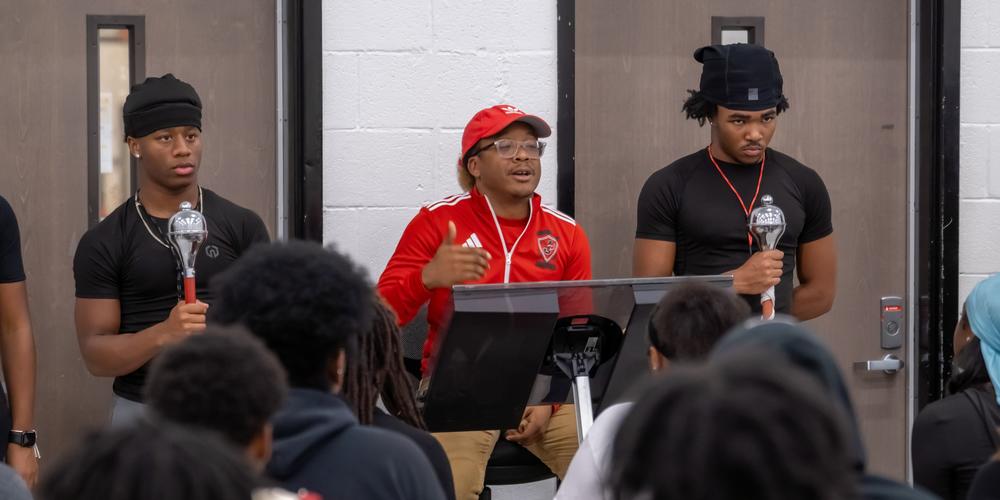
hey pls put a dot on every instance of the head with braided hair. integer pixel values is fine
(745, 426)
(378, 371)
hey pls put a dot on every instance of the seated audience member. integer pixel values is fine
(309, 305)
(378, 375)
(794, 344)
(152, 461)
(983, 316)
(953, 437)
(224, 381)
(683, 327)
(743, 427)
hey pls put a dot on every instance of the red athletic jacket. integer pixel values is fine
(551, 247)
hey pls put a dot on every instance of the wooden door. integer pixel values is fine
(845, 71)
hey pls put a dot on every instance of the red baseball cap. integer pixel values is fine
(490, 121)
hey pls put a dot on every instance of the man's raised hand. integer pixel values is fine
(453, 264)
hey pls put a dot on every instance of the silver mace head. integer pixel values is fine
(187, 230)
(767, 223)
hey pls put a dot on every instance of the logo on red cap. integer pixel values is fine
(491, 121)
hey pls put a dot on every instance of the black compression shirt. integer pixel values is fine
(689, 203)
(120, 259)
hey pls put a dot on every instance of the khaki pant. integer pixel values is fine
(469, 451)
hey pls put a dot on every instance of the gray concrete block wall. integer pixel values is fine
(400, 80)
(979, 230)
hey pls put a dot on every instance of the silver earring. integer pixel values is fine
(137, 156)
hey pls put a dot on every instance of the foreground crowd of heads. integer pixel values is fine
(272, 397)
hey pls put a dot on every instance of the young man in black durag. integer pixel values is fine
(128, 292)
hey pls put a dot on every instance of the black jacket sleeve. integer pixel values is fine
(931, 454)
(949, 444)
(986, 485)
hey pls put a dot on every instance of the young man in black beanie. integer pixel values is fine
(693, 214)
(128, 300)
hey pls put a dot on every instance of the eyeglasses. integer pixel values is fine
(507, 148)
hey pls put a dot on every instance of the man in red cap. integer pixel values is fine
(497, 231)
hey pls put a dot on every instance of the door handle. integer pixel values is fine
(889, 364)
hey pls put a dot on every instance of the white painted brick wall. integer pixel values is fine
(400, 80)
(979, 230)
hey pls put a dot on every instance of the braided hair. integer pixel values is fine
(378, 370)
(746, 427)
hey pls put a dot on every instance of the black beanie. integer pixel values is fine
(740, 76)
(159, 103)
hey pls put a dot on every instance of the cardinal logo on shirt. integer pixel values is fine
(548, 246)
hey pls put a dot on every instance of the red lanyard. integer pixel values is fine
(746, 210)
